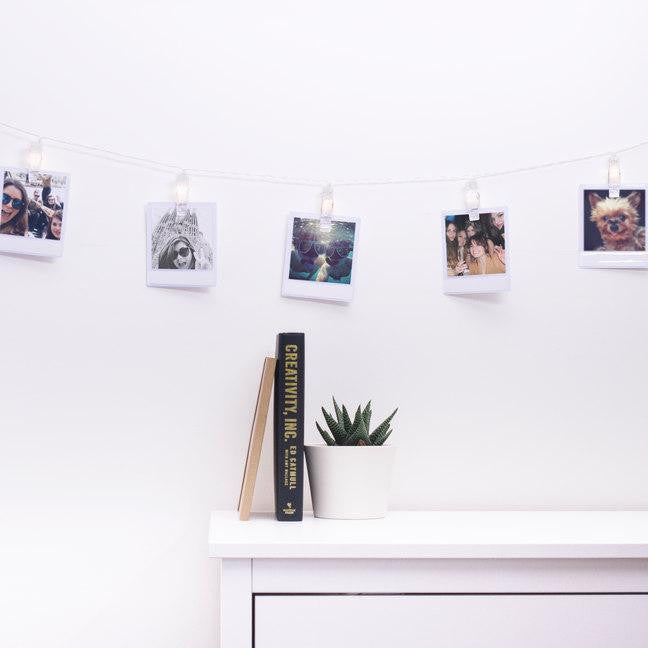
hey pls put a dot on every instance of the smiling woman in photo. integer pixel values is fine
(495, 229)
(181, 238)
(458, 254)
(463, 253)
(55, 226)
(178, 254)
(483, 260)
(14, 208)
(451, 247)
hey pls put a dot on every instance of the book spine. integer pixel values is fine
(289, 427)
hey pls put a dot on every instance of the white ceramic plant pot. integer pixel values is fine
(350, 482)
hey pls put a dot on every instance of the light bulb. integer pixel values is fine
(327, 201)
(471, 196)
(614, 172)
(327, 206)
(472, 199)
(35, 155)
(182, 188)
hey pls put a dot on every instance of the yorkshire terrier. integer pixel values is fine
(617, 220)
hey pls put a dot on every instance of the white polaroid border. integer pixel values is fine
(37, 246)
(320, 290)
(476, 283)
(180, 278)
(608, 259)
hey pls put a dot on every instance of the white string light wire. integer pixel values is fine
(306, 182)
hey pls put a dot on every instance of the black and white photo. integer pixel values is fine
(181, 244)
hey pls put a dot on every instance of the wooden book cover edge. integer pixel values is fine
(256, 438)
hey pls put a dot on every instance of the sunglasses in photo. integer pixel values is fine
(183, 252)
(16, 203)
(304, 247)
(342, 249)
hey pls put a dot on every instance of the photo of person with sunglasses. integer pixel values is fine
(338, 262)
(321, 255)
(307, 255)
(179, 240)
(28, 217)
(178, 254)
(15, 216)
(27, 226)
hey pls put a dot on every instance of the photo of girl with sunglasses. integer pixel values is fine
(14, 220)
(321, 255)
(178, 255)
(178, 242)
(181, 238)
(27, 217)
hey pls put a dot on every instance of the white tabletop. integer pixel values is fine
(435, 534)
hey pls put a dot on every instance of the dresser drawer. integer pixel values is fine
(452, 621)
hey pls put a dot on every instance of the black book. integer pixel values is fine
(289, 427)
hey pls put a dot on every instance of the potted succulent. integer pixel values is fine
(350, 475)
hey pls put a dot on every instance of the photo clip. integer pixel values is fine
(35, 155)
(326, 208)
(471, 196)
(182, 193)
(614, 177)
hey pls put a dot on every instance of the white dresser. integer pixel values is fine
(435, 579)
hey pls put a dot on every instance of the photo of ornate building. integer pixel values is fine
(181, 221)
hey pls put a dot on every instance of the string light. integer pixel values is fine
(35, 155)
(310, 182)
(326, 208)
(472, 199)
(182, 188)
(614, 177)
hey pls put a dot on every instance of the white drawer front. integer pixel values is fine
(449, 576)
(452, 621)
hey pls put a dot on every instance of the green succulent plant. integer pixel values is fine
(347, 432)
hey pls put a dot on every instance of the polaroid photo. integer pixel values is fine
(34, 212)
(320, 263)
(181, 245)
(476, 258)
(612, 231)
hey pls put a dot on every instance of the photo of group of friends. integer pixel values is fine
(181, 240)
(320, 258)
(33, 208)
(475, 247)
(322, 254)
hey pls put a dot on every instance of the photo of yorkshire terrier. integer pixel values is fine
(619, 221)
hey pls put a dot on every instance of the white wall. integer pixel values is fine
(126, 409)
